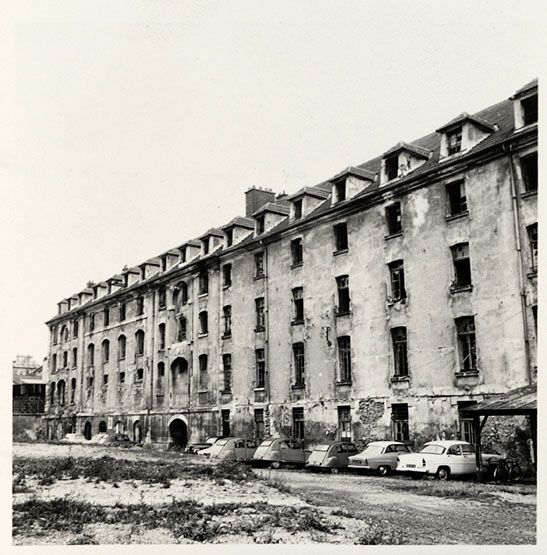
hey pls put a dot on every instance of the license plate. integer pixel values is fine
(411, 465)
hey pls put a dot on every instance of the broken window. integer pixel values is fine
(342, 283)
(397, 275)
(399, 422)
(398, 337)
(298, 423)
(296, 251)
(105, 351)
(344, 423)
(259, 264)
(462, 265)
(260, 368)
(340, 190)
(454, 140)
(140, 374)
(65, 359)
(161, 297)
(392, 167)
(202, 371)
(182, 329)
(90, 381)
(298, 300)
(203, 282)
(105, 379)
(161, 330)
(297, 209)
(227, 310)
(260, 318)
(122, 311)
(225, 418)
(467, 429)
(533, 241)
(139, 338)
(91, 354)
(299, 364)
(530, 109)
(74, 357)
(467, 345)
(227, 372)
(260, 224)
(122, 342)
(75, 329)
(106, 316)
(393, 219)
(529, 169)
(340, 237)
(227, 275)
(92, 322)
(203, 322)
(344, 356)
(259, 425)
(229, 237)
(457, 202)
(122, 377)
(72, 389)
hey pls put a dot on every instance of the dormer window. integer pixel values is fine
(164, 263)
(392, 167)
(525, 105)
(260, 224)
(229, 237)
(454, 140)
(205, 244)
(340, 190)
(297, 209)
(182, 255)
(530, 109)
(143, 273)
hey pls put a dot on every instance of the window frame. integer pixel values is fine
(399, 342)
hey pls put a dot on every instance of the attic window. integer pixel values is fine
(183, 254)
(229, 237)
(163, 263)
(205, 243)
(340, 189)
(530, 109)
(260, 225)
(297, 209)
(392, 167)
(454, 140)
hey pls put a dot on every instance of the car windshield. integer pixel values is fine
(266, 442)
(373, 449)
(322, 447)
(222, 442)
(467, 448)
(211, 440)
(433, 449)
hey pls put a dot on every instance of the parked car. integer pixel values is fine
(281, 451)
(331, 456)
(443, 459)
(199, 446)
(119, 440)
(233, 449)
(379, 456)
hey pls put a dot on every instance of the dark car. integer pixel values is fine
(280, 451)
(331, 456)
(119, 440)
(199, 446)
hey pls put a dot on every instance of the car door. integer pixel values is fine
(250, 448)
(239, 449)
(455, 460)
(469, 459)
(285, 451)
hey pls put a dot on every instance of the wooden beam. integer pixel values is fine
(478, 451)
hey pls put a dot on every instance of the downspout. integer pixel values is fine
(518, 245)
(267, 334)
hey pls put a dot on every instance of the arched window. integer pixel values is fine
(183, 292)
(72, 389)
(102, 427)
(182, 329)
(140, 375)
(90, 354)
(64, 333)
(203, 322)
(54, 363)
(65, 359)
(74, 357)
(161, 369)
(106, 314)
(52, 393)
(105, 351)
(122, 342)
(139, 338)
(161, 330)
(61, 392)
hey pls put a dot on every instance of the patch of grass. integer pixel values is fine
(380, 533)
(19, 484)
(279, 484)
(84, 539)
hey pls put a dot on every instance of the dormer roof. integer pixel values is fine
(310, 191)
(115, 278)
(352, 170)
(190, 243)
(418, 151)
(464, 116)
(275, 208)
(527, 88)
(240, 222)
(214, 231)
(155, 261)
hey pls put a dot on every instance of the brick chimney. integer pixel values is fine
(256, 198)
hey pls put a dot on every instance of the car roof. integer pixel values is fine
(384, 443)
(447, 442)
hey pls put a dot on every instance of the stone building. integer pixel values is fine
(28, 397)
(378, 303)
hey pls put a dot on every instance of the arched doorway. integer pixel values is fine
(137, 432)
(102, 427)
(178, 432)
(87, 430)
(119, 427)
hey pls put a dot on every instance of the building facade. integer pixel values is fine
(28, 397)
(379, 303)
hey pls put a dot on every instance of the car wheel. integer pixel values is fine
(334, 471)
(275, 465)
(443, 473)
(383, 470)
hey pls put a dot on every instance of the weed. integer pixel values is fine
(84, 539)
(380, 533)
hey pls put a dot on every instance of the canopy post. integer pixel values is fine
(478, 451)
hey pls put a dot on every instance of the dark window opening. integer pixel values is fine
(341, 237)
(205, 243)
(161, 297)
(392, 167)
(260, 225)
(105, 379)
(533, 241)
(203, 371)
(298, 423)
(122, 342)
(74, 357)
(227, 372)
(72, 390)
(225, 417)
(229, 237)
(106, 316)
(182, 254)
(259, 264)
(297, 209)
(260, 316)
(227, 310)
(227, 275)
(457, 202)
(344, 355)
(462, 265)
(182, 329)
(203, 322)
(91, 322)
(163, 261)
(139, 338)
(54, 363)
(106, 351)
(260, 368)
(122, 377)
(296, 251)
(90, 381)
(342, 283)
(298, 300)
(161, 330)
(535, 315)
(454, 141)
(140, 306)
(65, 359)
(529, 168)
(122, 311)
(340, 189)
(398, 337)
(91, 354)
(183, 292)
(203, 283)
(397, 275)
(161, 369)
(344, 423)
(299, 364)
(530, 109)
(394, 219)
(467, 345)
(140, 374)
(75, 328)
(399, 422)
(259, 425)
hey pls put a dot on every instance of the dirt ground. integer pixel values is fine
(341, 509)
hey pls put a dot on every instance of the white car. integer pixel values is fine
(379, 455)
(442, 459)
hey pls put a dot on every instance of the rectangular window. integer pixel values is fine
(74, 357)
(227, 310)
(340, 237)
(140, 306)
(182, 329)
(298, 423)
(259, 264)
(229, 237)
(106, 316)
(399, 422)
(397, 275)
(161, 329)
(91, 322)
(454, 141)
(163, 261)
(105, 379)
(392, 167)
(122, 311)
(260, 225)
(203, 282)
(54, 333)
(122, 377)
(533, 241)
(462, 265)
(394, 219)
(260, 319)
(227, 372)
(340, 189)
(529, 168)
(203, 371)
(161, 297)
(225, 417)
(342, 283)
(400, 359)
(203, 322)
(344, 423)
(205, 243)
(298, 300)
(535, 315)
(297, 209)
(227, 275)
(65, 359)
(467, 430)
(530, 109)
(457, 202)
(182, 254)
(260, 368)
(344, 355)
(299, 364)
(90, 381)
(259, 425)
(467, 345)
(75, 329)
(296, 251)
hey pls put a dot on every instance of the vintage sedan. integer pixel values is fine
(443, 459)
(379, 456)
(278, 452)
(199, 446)
(119, 440)
(331, 456)
(233, 449)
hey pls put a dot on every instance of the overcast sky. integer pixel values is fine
(133, 126)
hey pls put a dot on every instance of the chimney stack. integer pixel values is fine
(256, 198)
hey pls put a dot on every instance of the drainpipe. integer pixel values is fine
(518, 246)
(267, 334)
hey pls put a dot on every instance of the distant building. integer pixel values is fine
(29, 393)
(380, 303)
